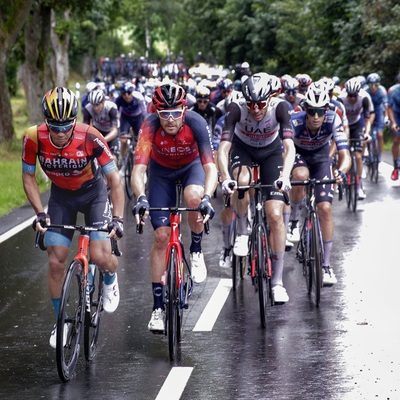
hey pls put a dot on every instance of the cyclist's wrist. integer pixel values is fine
(206, 197)
(117, 217)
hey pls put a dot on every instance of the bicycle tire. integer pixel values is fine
(172, 305)
(71, 312)
(316, 259)
(303, 254)
(93, 316)
(262, 287)
(375, 163)
(128, 174)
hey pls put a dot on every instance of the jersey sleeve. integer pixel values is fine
(97, 146)
(283, 117)
(145, 140)
(232, 116)
(202, 135)
(29, 150)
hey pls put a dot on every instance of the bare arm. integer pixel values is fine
(117, 193)
(289, 156)
(223, 159)
(211, 178)
(32, 191)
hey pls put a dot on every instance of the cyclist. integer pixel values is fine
(204, 107)
(173, 144)
(359, 107)
(71, 154)
(379, 98)
(255, 131)
(224, 89)
(103, 115)
(394, 115)
(132, 110)
(291, 93)
(304, 82)
(314, 129)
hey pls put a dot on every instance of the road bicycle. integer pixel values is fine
(126, 166)
(81, 304)
(239, 264)
(353, 180)
(177, 281)
(373, 157)
(259, 249)
(310, 249)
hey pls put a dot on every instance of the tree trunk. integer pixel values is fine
(13, 16)
(35, 72)
(60, 44)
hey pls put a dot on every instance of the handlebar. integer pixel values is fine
(172, 210)
(39, 240)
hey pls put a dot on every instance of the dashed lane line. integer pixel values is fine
(214, 306)
(175, 383)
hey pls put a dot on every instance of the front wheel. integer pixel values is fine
(128, 174)
(70, 321)
(93, 311)
(262, 276)
(172, 305)
(317, 259)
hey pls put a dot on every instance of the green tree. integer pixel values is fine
(12, 18)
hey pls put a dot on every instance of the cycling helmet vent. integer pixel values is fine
(257, 87)
(317, 96)
(169, 96)
(60, 105)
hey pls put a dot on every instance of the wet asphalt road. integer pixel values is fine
(348, 348)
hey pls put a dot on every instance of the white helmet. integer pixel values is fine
(275, 83)
(353, 86)
(96, 96)
(317, 96)
(257, 87)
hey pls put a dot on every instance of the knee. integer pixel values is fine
(324, 210)
(275, 217)
(193, 196)
(161, 239)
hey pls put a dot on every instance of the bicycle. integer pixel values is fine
(310, 250)
(126, 166)
(373, 157)
(260, 263)
(81, 304)
(177, 280)
(353, 180)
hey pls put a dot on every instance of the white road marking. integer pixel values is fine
(175, 383)
(214, 306)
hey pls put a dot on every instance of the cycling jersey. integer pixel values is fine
(72, 167)
(306, 142)
(394, 100)
(380, 101)
(134, 108)
(103, 121)
(218, 128)
(240, 123)
(362, 106)
(174, 151)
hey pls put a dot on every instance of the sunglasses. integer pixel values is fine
(319, 111)
(125, 93)
(202, 101)
(166, 114)
(60, 128)
(290, 92)
(260, 104)
(352, 95)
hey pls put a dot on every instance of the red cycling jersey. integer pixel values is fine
(71, 167)
(174, 151)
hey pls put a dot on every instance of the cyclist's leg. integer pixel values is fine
(161, 194)
(300, 172)
(323, 196)
(124, 134)
(395, 148)
(356, 133)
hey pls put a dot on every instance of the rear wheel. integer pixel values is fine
(128, 174)
(70, 321)
(93, 315)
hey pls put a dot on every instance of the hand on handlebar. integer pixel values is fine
(206, 209)
(283, 184)
(340, 177)
(141, 209)
(228, 186)
(116, 225)
(40, 222)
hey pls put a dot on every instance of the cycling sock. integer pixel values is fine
(226, 232)
(157, 295)
(109, 278)
(277, 269)
(242, 224)
(56, 305)
(195, 246)
(327, 252)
